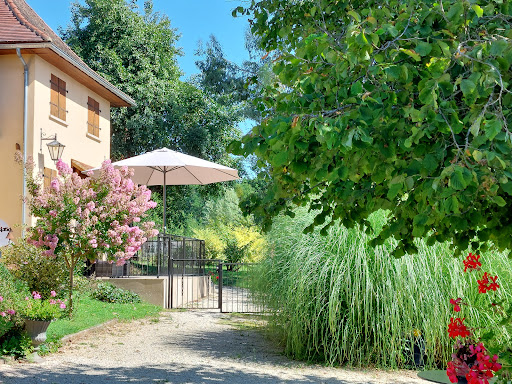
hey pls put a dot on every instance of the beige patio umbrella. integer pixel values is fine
(167, 167)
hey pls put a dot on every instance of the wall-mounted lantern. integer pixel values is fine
(54, 146)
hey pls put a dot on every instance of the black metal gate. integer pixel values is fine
(212, 284)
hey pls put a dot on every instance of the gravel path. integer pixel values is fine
(183, 347)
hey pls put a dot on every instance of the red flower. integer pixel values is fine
(455, 303)
(484, 285)
(472, 262)
(217, 277)
(451, 371)
(493, 285)
(457, 328)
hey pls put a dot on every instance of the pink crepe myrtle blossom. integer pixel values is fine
(53, 293)
(103, 216)
(11, 311)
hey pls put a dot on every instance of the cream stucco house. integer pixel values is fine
(46, 90)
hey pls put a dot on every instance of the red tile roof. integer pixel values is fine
(20, 24)
(14, 26)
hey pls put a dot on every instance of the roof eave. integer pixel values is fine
(83, 68)
(93, 75)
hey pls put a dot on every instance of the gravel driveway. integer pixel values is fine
(183, 347)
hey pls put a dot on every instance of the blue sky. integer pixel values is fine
(195, 20)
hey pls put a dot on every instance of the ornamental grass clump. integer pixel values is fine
(337, 300)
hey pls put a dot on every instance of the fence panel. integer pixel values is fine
(236, 281)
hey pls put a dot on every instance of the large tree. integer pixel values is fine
(137, 52)
(394, 105)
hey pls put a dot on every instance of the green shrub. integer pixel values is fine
(43, 274)
(112, 294)
(16, 343)
(12, 292)
(337, 300)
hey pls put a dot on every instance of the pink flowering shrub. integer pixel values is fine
(89, 218)
(34, 307)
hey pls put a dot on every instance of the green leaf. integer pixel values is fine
(455, 12)
(478, 10)
(457, 181)
(411, 53)
(475, 127)
(280, 159)
(477, 155)
(393, 190)
(423, 48)
(355, 15)
(492, 128)
(356, 88)
(420, 219)
(499, 201)
(467, 87)
(507, 187)
(451, 204)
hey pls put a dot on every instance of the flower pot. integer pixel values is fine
(36, 329)
(462, 380)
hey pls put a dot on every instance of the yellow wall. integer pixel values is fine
(72, 133)
(11, 132)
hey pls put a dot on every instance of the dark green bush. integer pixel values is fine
(111, 294)
(16, 343)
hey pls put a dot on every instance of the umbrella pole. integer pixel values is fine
(165, 203)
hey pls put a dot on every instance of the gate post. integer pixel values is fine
(169, 277)
(220, 286)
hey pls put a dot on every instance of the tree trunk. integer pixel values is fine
(70, 298)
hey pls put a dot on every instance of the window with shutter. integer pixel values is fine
(58, 98)
(49, 175)
(93, 120)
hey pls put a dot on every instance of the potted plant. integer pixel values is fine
(471, 362)
(39, 313)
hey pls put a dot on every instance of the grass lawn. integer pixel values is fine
(89, 312)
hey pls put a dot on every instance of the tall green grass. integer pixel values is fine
(337, 300)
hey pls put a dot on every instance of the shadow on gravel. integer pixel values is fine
(234, 344)
(172, 375)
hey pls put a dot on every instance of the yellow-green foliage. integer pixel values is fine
(232, 244)
(214, 245)
(229, 235)
(251, 242)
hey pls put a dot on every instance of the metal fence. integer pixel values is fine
(152, 258)
(192, 280)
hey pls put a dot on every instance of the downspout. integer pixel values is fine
(25, 134)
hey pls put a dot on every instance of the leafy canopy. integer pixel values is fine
(394, 105)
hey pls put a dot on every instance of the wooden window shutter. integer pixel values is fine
(58, 98)
(49, 175)
(93, 119)
(54, 100)
(62, 100)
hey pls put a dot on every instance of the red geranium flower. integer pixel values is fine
(472, 262)
(457, 328)
(484, 285)
(455, 303)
